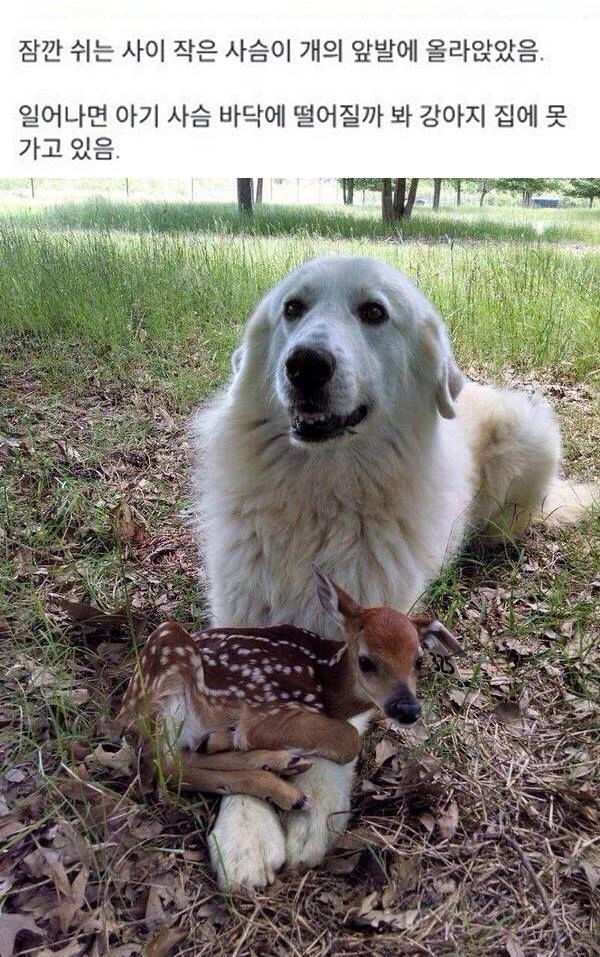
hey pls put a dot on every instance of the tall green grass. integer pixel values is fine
(182, 298)
(101, 214)
(357, 222)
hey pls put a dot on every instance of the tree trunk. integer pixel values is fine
(387, 206)
(437, 189)
(244, 196)
(348, 191)
(259, 191)
(458, 185)
(412, 195)
(399, 198)
(482, 197)
(591, 201)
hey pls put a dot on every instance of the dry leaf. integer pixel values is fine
(23, 562)
(127, 528)
(164, 941)
(414, 734)
(384, 750)
(591, 868)
(467, 699)
(582, 707)
(343, 863)
(386, 919)
(11, 925)
(518, 648)
(15, 775)
(93, 619)
(72, 901)
(508, 713)
(427, 820)
(123, 762)
(513, 947)
(447, 822)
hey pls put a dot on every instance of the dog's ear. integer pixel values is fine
(236, 359)
(450, 382)
(449, 379)
(334, 599)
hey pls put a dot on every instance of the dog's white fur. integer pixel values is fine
(383, 508)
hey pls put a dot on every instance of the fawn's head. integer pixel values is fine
(386, 648)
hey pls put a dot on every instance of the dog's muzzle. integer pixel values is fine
(321, 426)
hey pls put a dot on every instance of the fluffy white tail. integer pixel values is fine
(567, 502)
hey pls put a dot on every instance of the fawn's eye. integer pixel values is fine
(366, 665)
(294, 309)
(372, 313)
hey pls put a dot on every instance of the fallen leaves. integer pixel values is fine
(94, 620)
(128, 524)
(513, 947)
(509, 713)
(11, 926)
(447, 821)
(121, 762)
(378, 918)
(164, 941)
(590, 865)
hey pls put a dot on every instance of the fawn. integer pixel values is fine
(237, 710)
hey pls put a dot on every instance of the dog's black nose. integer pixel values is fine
(309, 369)
(403, 711)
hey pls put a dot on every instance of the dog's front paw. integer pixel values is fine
(311, 834)
(247, 843)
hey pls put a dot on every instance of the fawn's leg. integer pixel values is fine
(189, 772)
(310, 733)
(285, 763)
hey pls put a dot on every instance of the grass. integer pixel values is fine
(353, 223)
(126, 296)
(111, 337)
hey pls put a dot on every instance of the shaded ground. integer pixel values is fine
(478, 834)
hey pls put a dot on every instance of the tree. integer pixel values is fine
(258, 195)
(244, 196)
(348, 190)
(484, 186)
(387, 201)
(437, 189)
(526, 187)
(458, 185)
(584, 189)
(373, 185)
(396, 200)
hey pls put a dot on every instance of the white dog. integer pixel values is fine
(348, 437)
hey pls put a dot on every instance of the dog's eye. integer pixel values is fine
(372, 313)
(294, 308)
(366, 665)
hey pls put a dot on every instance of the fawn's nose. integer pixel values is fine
(309, 369)
(403, 710)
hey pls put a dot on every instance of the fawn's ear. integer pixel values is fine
(438, 643)
(435, 637)
(334, 599)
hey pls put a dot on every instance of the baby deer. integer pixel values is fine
(235, 710)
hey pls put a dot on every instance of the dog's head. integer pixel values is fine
(342, 341)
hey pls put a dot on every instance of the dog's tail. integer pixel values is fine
(567, 503)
